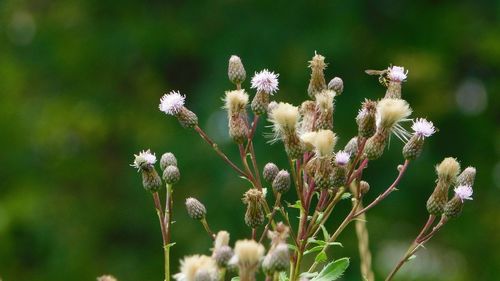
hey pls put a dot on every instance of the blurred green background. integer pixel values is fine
(80, 83)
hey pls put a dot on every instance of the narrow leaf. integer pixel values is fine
(333, 270)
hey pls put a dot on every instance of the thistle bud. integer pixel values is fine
(222, 255)
(270, 172)
(364, 187)
(467, 177)
(453, 208)
(106, 278)
(277, 260)
(254, 215)
(337, 85)
(151, 181)
(375, 145)
(235, 70)
(317, 82)
(339, 176)
(196, 210)
(173, 104)
(366, 119)
(396, 76)
(167, 159)
(281, 183)
(171, 174)
(447, 172)
(260, 103)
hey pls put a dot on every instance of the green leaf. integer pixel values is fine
(325, 233)
(308, 275)
(335, 244)
(412, 257)
(314, 249)
(317, 242)
(292, 247)
(346, 195)
(283, 276)
(297, 205)
(321, 257)
(333, 270)
(235, 278)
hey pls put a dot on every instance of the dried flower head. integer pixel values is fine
(265, 81)
(397, 73)
(235, 101)
(284, 118)
(342, 158)
(423, 128)
(324, 142)
(389, 113)
(144, 160)
(221, 239)
(191, 266)
(248, 253)
(464, 192)
(172, 103)
(448, 169)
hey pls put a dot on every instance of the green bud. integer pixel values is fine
(413, 147)
(260, 103)
(187, 118)
(270, 172)
(171, 174)
(151, 181)
(196, 210)
(235, 70)
(168, 159)
(366, 119)
(281, 183)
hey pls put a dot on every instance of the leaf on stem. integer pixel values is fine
(333, 270)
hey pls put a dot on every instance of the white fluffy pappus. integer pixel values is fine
(192, 265)
(389, 113)
(247, 253)
(235, 101)
(448, 168)
(284, 118)
(324, 100)
(172, 102)
(265, 81)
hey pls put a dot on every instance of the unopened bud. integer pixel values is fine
(337, 85)
(270, 172)
(235, 71)
(196, 210)
(168, 159)
(260, 103)
(364, 187)
(467, 176)
(222, 255)
(187, 118)
(171, 174)
(281, 183)
(352, 147)
(339, 176)
(366, 119)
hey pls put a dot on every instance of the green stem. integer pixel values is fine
(207, 228)
(164, 235)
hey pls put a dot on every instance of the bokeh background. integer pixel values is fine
(80, 83)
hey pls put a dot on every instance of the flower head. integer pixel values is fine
(172, 103)
(284, 118)
(235, 101)
(423, 128)
(265, 81)
(143, 159)
(342, 158)
(389, 113)
(397, 73)
(248, 253)
(464, 192)
(192, 266)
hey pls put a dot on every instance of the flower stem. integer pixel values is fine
(207, 228)
(164, 235)
(276, 206)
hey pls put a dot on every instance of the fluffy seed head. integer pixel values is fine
(265, 81)
(308, 140)
(324, 100)
(342, 158)
(397, 73)
(324, 142)
(423, 128)
(464, 192)
(391, 111)
(144, 160)
(284, 118)
(172, 103)
(106, 278)
(221, 239)
(448, 168)
(192, 266)
(235, 101)
(248, 252)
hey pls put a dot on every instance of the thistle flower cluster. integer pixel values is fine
(319, 175)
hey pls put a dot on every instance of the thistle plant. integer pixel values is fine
(319, 173)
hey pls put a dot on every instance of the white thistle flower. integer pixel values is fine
(265, 81)
(144, 157)
(423, 128)
(397, 73)
(172, 103)
(464, 192)
(342, 158)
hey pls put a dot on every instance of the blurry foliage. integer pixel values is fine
(80, 83)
